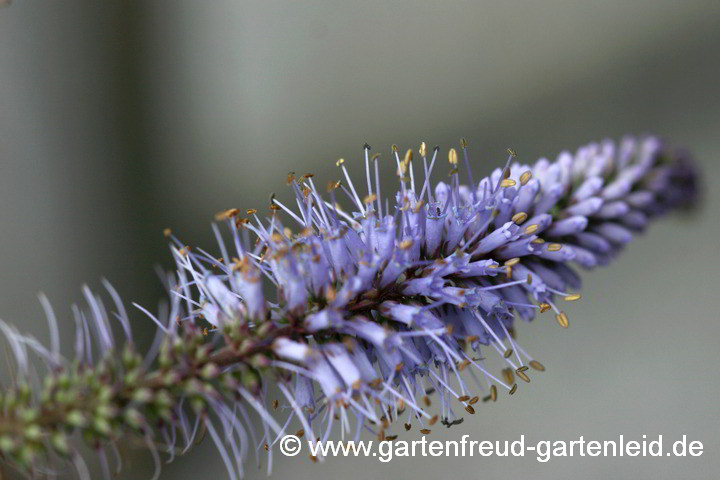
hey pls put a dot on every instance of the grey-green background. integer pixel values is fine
(120, 118)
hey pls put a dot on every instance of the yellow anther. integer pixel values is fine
(408, 156)
(562, 320)
(452, 157)
(573, 297)
(519, 218)
(339, 162)
(423, 150)
(554, 247)
(508, 182)
(531, 229)
(512, 262)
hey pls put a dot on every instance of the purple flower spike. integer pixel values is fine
(314, 313)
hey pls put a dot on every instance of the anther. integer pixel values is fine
(519, 218)
(537, 366)
(562, 319)
(525, 177)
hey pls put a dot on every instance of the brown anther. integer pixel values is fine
(426, 401)
(464, 398)
(537, 366)
(266, 447)
(226, 214)
(562, 320)
(508, 272)
(407, 427)
(167, 232)
(509, 375)
(493, 393)
(513, 389)
(290, 177)
(524, 368)
(425, 431)
(522, 375)
(470, 409)
(519, 218)
(471, 338)
(433, 420)
(544, 307)
(399, 366)
(251, 211)
(508, 352)
(275, 404)
(463, 142)
(313, 458)
(300, 433)
(473, 400)
(390, 438)
(525, 177)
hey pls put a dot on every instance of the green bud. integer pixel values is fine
(251, 380)
(102, 426)
(33, 433)
(142, 395)
(76, 419)
(163, 399)
(7, 445)
(60, 443)
(134, 418)
(210, 371)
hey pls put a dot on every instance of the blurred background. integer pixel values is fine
(121, 118)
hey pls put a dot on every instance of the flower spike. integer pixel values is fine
(349, 324)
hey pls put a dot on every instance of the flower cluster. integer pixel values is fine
(325, 319)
